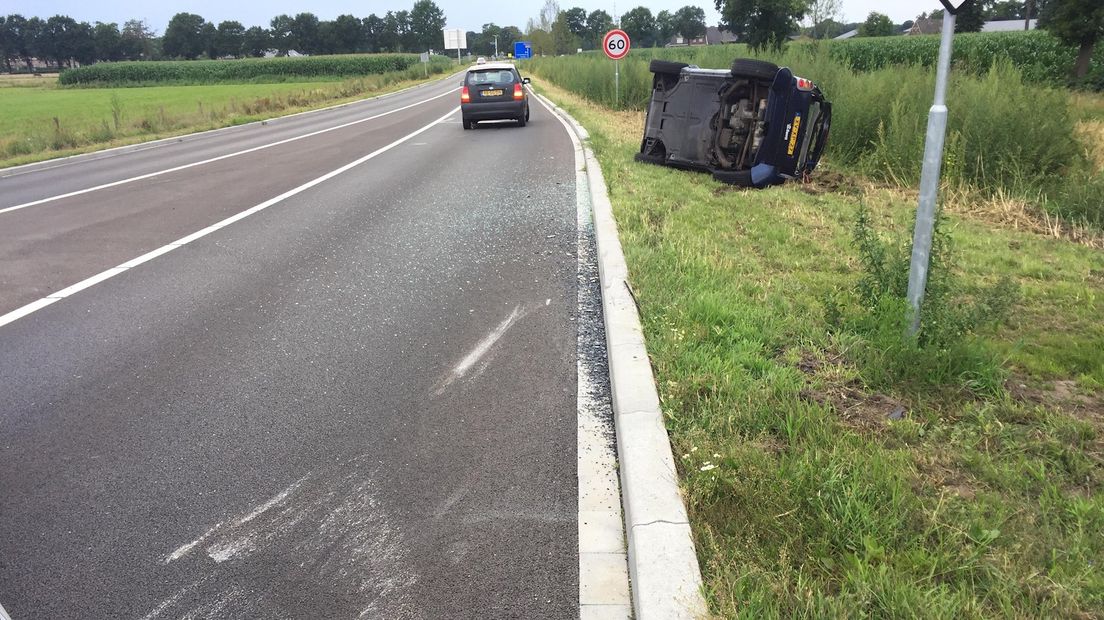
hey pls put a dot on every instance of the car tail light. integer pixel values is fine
(465, 96)
(518, 94)
(803, 84)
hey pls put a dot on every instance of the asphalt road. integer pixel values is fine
(357, 402)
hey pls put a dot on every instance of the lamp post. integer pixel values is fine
(929, 175)
(496, 45)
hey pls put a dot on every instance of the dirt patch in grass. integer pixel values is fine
(856, 408)
(1061, 394)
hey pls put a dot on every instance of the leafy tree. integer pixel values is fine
(639, 24)
(209, 33)
(255, 42)
(137, 40)
(563, 40)
(507, 38)
(280, 32)
(6, 41)
(876, 25)
(822, 14)
(576, 21)
(345, 34)
(762, 23)
(665, 27)
(108, 41)
(1076, 22)
(184, 36)
(827, 29)
(548, 14)
(598, 24)
(1005, 9)
(372, 27)
(63, 40)
(229, 39)
(970, 18)
(426, 21)
(690, 22)
(304, 33)
(389, 33)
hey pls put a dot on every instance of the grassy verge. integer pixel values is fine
(817, 487)
(40, 120)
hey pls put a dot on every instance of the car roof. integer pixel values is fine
(490, 66)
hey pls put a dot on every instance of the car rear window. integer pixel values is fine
(491, 76)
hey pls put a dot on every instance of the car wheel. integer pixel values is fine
(649, 159)
(521, 120)
(467, 124)
(754, 69)
(741, 178)
(527, 113)
(666, 67)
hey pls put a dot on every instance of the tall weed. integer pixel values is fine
(949, 350)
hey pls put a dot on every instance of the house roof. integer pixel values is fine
(847, 35)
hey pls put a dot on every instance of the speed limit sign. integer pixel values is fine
(616, 44)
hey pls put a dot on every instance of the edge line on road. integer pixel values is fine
(34, 306)
(254, 149)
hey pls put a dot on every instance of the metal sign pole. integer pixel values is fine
(617, 82)
(929, 179)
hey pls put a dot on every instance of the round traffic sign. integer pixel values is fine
(616, 44)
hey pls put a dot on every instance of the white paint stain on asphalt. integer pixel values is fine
(328, 529)
(480, 349)
(279, 498)
(183, 550)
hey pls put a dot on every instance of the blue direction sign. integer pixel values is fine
(523, 49)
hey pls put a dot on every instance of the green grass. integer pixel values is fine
(805, 499)
(40, 120)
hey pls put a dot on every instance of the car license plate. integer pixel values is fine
(492, 93)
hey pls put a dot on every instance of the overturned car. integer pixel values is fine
(754, 125)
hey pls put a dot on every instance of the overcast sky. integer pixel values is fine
(466, 14)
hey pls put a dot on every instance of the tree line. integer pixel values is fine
(62, 41)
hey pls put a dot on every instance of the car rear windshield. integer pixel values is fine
(491, 76)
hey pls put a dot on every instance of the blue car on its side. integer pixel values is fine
(753, 125)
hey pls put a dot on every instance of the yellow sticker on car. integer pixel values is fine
(793, 135)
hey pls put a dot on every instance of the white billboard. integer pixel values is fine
(455, 39)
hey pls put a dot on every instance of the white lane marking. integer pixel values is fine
(4, 614)
(480, 349)
(219, 158)
(96, 279)
(62, 162)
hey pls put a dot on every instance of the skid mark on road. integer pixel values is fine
(480, 350)
(326, 536)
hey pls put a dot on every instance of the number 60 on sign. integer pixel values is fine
(616, 44)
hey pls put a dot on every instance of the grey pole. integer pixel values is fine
(929, 179)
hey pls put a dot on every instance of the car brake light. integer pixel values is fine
(518, 94)
(465, 96)
(804, 84)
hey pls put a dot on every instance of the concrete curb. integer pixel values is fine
(663, 566)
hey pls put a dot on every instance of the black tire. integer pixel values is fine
(740, 178)
(467, 124)
(648, 159)
(522, 119)
(754, 69)
(666, 67)
(526, 112)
